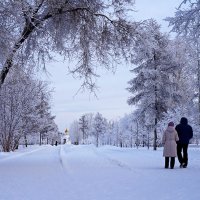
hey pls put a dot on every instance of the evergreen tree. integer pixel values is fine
(152, 87)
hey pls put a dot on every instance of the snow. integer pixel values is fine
(85, 172)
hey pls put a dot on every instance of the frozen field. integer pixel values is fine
(70, 172)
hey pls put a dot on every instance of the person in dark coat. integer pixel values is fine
(185, 133)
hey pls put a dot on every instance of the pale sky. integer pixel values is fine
(112, 95)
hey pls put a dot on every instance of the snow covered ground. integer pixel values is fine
(70, 172)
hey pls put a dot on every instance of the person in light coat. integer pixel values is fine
(170, 137)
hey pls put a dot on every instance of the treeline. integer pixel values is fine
(25, 116)
(126, 132)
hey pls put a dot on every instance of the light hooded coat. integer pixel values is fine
(169, 139)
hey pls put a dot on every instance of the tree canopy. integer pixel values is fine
(91, 32)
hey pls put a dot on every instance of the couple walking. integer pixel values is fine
(175, 141)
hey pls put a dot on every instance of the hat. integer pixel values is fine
(171, 124)
(184, 120)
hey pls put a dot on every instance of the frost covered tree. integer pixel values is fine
(15, 101)
(152, 87)
(74, 133)
(99, 128)
(53, 136)
(117, 134)
(83, 126)
(186, 19)
(110, 133)
(30, 123)
(81, 129)
(89, 118)
(185, 54)
(91, 32)
(137, 128)
(44, 118)
(127, 130)
(19, 97)
(49, 130)
(186, 23)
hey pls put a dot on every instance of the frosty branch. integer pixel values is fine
(80, 29)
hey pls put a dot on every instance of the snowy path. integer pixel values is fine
(87, 173)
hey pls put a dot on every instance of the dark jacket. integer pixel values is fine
(185, 132)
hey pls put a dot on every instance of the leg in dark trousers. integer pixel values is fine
(166, 162)
(172, 162)
(179, 153)
(185, 154)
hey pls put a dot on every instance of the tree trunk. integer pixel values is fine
(40, 138)
(97, 141)
(198, 74)
(28, 29)
(155, 124)
(155, 136)
(137, 135)
(156, 108)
